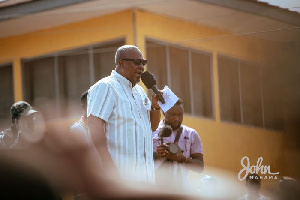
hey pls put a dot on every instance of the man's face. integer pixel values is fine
(131, 71)
(174, 116)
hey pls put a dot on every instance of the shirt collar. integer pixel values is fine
(121, 78)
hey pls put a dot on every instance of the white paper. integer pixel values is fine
(170, 99)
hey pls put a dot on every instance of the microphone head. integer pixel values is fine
(148, 79)
(165, 131)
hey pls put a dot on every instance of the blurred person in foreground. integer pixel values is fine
(171, 167)
(120, 119)
(79, 132)
(22, 128)
(253, 183)
(80, 141)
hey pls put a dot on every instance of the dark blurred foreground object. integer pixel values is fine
(288, 189)
(21, 182)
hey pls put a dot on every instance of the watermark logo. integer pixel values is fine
(264, 170)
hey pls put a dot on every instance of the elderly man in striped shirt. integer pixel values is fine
(120, 117)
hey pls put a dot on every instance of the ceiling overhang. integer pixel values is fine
(237, 16)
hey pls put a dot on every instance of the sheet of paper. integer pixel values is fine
(170, 99)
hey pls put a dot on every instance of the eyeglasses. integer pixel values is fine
(137, 62)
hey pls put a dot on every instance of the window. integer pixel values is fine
(39, 84)
(201, 83)
(104, 58)
(186, 71)
(55, 83)
(229, 90)
(179, 64)
(248, 94)
(74, 79)
(157, 62)
(7, 96)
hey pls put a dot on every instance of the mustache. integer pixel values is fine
(173, 126)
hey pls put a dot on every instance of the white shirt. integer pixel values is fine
(79, 133)
(126, 111)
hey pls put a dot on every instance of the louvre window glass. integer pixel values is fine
(7, 96)
(157, 62)
(104, 58)
(249, 94)
(55, 83)
(201, 84)
(39, 84)
(179, 63)
(187, 72)
(74, 79)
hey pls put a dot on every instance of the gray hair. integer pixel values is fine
(122, 51)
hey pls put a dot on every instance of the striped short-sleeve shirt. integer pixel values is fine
(126, 111)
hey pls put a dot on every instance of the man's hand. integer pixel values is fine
(155, 101)
(175, 157)
(162, 151)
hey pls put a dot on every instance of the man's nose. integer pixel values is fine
(176, 119)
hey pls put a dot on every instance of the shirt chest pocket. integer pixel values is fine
(185, 145)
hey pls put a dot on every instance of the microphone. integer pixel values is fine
(150, 82)
(164, 132)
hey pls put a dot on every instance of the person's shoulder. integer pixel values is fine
(155, 133)
(7, 131)
(78, 124)
(77, 128)
(188, 129)
(104, 83)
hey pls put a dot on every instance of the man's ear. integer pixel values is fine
(120, 63)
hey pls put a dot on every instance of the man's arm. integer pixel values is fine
(78, 138)
(96, 126)
(196, 157)
(196, 162)
(154, 113)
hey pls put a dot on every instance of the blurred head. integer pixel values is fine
(130, 63)
(83, 100)
(253, 183)
(21, 110)
(23, 118)
(174, 115)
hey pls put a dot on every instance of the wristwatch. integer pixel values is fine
(152, 108)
